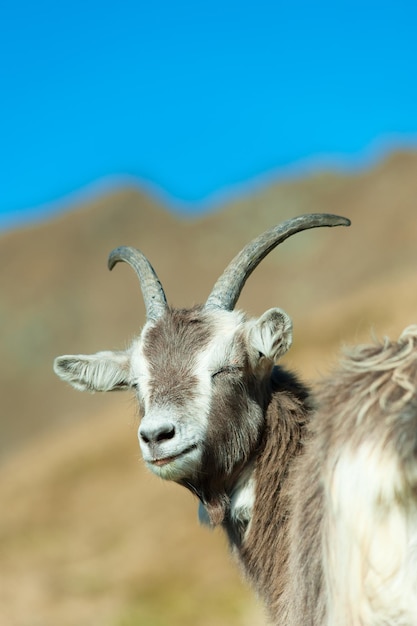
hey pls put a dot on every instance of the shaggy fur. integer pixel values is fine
(333, 538)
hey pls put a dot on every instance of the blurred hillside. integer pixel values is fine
(87, 537)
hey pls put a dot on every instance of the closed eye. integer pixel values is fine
(227, 369)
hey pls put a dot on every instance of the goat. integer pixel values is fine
(220, 418)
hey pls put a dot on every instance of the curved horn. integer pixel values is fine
(152, 291)
(228, 287)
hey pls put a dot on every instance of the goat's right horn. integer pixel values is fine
(228, 287)
(152, 291)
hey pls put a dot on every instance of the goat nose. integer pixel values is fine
(156, 432)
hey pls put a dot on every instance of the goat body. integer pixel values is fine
(332, 538)
(359, 471)
(333, 532)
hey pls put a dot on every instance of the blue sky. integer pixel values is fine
(194, 98)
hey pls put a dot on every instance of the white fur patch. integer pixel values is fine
(370, 539)
(139, 368)
(220, 352)
(241, 501)
(243, 498)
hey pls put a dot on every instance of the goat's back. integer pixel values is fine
(353, 557)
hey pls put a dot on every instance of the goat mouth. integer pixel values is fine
(165, 461)
(169, 459)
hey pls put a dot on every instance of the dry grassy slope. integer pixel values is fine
(87, 538)
(86, 535)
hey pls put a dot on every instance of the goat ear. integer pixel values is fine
(271, 334)
(104, 371)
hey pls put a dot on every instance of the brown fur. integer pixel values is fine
(169, 347)
(372, 397)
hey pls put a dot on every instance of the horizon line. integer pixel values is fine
(339, 163)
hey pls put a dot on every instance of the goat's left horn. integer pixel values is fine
(152, 291)
(228, 287)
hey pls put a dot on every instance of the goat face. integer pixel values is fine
(200, 380)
